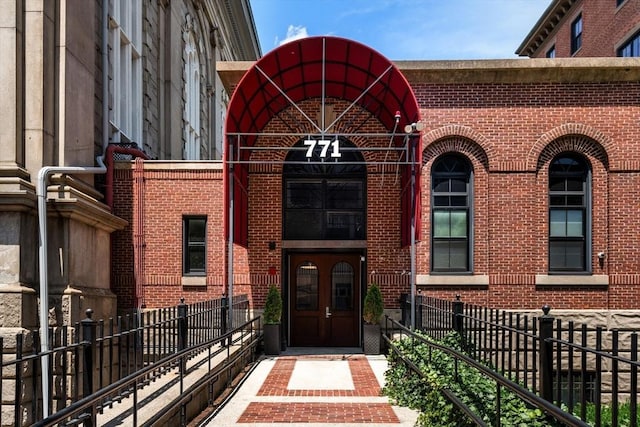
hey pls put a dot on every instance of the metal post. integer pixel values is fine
(89, 341)
(546, 355)
(413, 230)
(182, 325)
(231, 233)
(457, 315)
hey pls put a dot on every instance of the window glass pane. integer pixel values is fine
(342, 286)
(458, 185)
(449, 255)
(304, 195)
(458, 255)
(440, 185)
(574, 223)
(441, 226)
(345, 225)
(344, 195)
(575, 184)
(458, 200)
(196, 230)
(556, 184)
(307, 286)
(557, 223)
(557, 200)
(566, 255)
(441, 201)
(574, 200)
(196, 259)
(574, 255)
(440, 255)
(458, 224)
(303, 224)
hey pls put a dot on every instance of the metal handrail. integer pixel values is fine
(520, 391)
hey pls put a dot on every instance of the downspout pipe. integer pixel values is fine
(41, 192)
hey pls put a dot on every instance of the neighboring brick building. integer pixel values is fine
(585, 28)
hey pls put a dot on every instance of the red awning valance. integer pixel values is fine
(314, 67)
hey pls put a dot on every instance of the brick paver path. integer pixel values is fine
(314, 391)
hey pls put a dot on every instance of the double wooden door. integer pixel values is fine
(324, 299)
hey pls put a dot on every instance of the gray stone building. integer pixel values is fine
(77, 77)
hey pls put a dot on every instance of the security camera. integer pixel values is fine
(601, 255)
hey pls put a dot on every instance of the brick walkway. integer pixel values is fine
(309, 390)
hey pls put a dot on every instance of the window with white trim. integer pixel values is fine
(125, 58)
(192, 98)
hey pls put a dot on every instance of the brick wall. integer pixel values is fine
(605, 27)
(509, 133)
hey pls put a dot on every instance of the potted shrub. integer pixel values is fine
(271, 317)
(372, 313)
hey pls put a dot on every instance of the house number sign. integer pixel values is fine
(328, 148)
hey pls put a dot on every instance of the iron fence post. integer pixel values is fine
(223, 315)
(546, 354)
(182, 335)
(182, 325)
(457, 315)
(418, 313)
(89, 340)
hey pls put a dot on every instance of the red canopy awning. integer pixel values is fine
(314, 67)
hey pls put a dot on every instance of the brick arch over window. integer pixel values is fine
(460, 136)
(456, 144)
(574, 143)
(571, 137)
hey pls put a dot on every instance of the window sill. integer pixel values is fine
(572, 280)
(194, 281)
(452, 280)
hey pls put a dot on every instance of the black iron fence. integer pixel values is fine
(113, 349)
(582, 369)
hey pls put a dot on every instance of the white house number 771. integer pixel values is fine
(325, 144)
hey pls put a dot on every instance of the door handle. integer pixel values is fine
(327, 313)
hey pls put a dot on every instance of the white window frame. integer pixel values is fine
(125, 55)
(192, 98)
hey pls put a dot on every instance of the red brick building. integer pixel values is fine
(585, 28)
(526, 176)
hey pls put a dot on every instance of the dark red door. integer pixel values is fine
(325, 299)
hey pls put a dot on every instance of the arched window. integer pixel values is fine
(192, 99)
(324, 197)
(451, 215)
(569, 214)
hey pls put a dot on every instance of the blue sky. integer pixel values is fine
(405, 29)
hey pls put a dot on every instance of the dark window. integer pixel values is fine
(573, 386)
(450, 214)
(568, 213)
(194, 246)
(324, 197)
(551, 53)
(630, 48)
(576, 34)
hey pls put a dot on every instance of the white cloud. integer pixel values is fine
(294, 32)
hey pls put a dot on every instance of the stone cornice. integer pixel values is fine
(537, 70)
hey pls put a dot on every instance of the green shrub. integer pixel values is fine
(273, 306)
(473, 389)
(373, 305)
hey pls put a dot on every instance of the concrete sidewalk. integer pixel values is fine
(314, 387)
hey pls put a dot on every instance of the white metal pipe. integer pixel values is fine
(43, 265)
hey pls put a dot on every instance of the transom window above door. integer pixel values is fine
(324, 200)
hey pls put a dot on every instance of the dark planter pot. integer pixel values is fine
(371, 339)
(272, 340)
